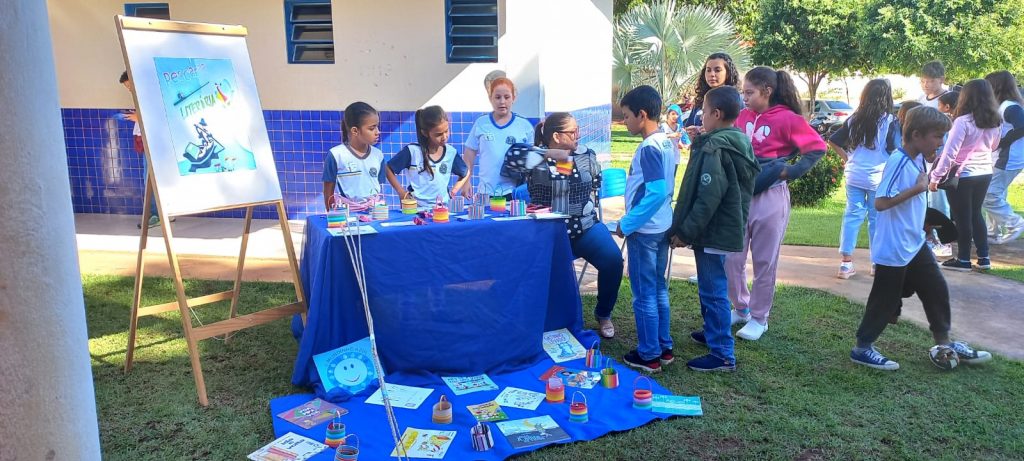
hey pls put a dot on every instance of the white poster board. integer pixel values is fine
(201, 117)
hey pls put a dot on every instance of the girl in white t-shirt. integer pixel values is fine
(491, 137)
(864, 142)
(355, 167)
(430, 162)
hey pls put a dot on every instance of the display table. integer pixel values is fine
(455, 298)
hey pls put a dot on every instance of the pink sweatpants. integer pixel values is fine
(766, 225)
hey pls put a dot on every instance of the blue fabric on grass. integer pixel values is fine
(610, 410)
(463, 297)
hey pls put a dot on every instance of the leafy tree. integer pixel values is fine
(743, 12)
(662, 45)
(971, 37)
(812, 37)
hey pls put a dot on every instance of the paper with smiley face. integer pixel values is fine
(349, 367)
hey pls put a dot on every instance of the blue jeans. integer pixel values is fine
(145, 181)
(859, 203)
(597, 248)
(998, 210)
(713, 288)
(648, 257)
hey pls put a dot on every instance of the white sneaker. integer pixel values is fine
(1011, 234)
(846, 270)
(738, 318)
(943, 249)
(752, 331)
(692, 279)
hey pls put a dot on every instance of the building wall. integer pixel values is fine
(390, 53)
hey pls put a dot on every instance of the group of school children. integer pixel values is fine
(746, 142)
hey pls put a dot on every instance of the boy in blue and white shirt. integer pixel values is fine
(649, 189)
(904, 264)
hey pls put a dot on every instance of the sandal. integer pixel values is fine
(607, 329)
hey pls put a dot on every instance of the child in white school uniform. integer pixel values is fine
(430, 162)
(491, 137)
(904, 264)
(356, 167)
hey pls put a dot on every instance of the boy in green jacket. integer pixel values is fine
(710, 216)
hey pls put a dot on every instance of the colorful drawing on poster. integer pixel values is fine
(349, 367)
(531, 432)
(424, 443)
(401, 396)
(573, 378)
(487, 412)
(208, 128)
(312, 413)
(519, 398)
(466, 384)
(677, 405)
(562, 346)
(288, 447)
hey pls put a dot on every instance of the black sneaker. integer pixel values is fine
(634, 360)
(957, 265)
(984, 264)
(698, 337)
(711, 363)
(666, 357)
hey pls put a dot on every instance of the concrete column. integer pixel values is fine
(47, 401)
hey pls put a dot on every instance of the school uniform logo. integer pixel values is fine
(443, 168)
(705, 179)
(373, 172)
(511, 140)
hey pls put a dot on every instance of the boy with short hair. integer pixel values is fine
(933, 79)
(903, 263)
(710, 215)
(648, 215)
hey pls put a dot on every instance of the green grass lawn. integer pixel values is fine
(796, 394)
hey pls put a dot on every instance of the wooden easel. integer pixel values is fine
(184, 305)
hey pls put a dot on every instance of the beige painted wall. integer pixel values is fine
(393, 60)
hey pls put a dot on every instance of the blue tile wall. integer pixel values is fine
(107, 176)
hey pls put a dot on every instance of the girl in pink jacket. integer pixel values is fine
(787, 147)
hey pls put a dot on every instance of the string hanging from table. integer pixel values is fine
(354, 244)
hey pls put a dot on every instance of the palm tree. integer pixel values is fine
(662, 45)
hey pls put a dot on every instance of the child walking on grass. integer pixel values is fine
(904, 264)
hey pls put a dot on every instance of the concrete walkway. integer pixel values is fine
(986, 309)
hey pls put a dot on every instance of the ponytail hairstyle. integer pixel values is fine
(732, 78)
(978, 100)
(875, 103)
(1004, 86)
(427, 119)
(950, 98)
(353, 117)
(501, 81)
(544, 133)
(783, 90)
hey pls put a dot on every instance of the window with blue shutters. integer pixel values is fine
(310, 31)
(471, 30)
(148, 10)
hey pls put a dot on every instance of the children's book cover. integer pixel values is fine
(465, 384)
(531, 432)
(401, 396)
(288, 447)
(205, 115)
(349, 367)
(487, 412)
(562, 346)
(312, 413)
(425, 443)
(677, 405)
(573, 378)
(519, 398)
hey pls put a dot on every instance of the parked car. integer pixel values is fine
(837, 111)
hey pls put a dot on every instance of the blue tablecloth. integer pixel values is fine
(457, 298)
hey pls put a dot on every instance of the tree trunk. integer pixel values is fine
(813, 80)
